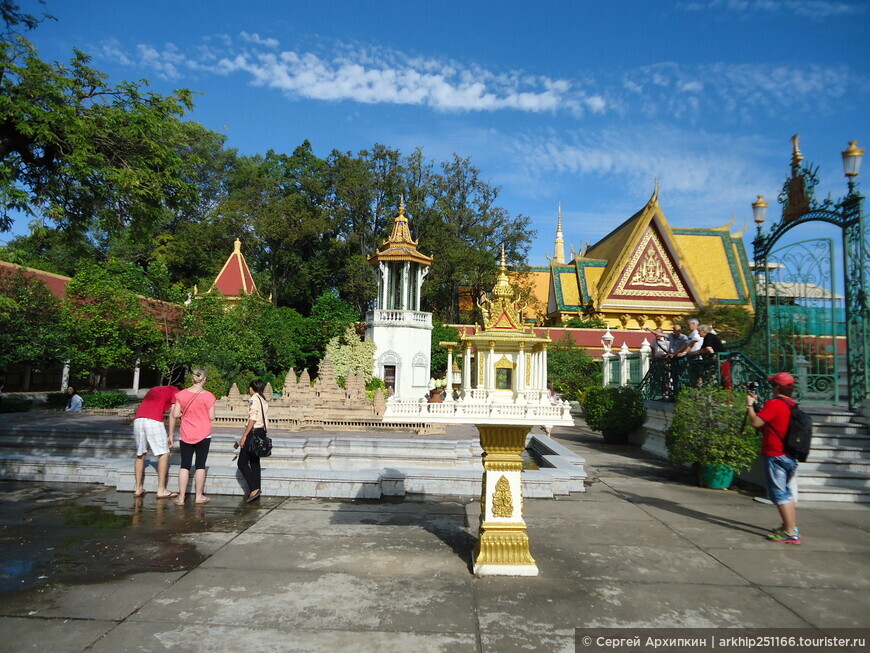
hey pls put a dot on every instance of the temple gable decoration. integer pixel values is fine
(502, 312)
(650, 272)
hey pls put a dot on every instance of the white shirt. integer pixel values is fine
(695, 341)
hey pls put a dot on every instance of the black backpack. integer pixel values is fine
(799, 434)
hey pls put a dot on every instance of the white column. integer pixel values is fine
(386, 302)
(623, 364)
(645, 354)
(64, 378)
(490, 367)
(521, 371)
(606, 376)
(449, 376)
(406, 285)
(544, 377)
(466, 369)
(136, 376)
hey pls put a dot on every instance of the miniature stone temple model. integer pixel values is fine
(397, 326)
(504, 393)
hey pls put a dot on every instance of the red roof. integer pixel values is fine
(164, 312)
(235, 278)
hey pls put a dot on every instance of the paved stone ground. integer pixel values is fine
(642, 547)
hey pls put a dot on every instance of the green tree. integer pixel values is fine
(349, 353)
(571, 370)
(730, 321)
(32, 322)
(77, 151)
(329, 318)
(108, 325)
(442, 333)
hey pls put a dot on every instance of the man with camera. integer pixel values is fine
(779, 468)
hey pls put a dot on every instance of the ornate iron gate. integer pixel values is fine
(797, 284)
(783, 344)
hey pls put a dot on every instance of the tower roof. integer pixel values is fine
(400, 246)
(235, 279)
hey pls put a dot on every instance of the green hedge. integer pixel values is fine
(616, 412)
(103, 399)
(15, 405)
(710, 428)
(57, 399)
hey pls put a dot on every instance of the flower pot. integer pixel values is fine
(716, 478)
(614, 437)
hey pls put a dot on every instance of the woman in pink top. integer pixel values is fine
(195, 407)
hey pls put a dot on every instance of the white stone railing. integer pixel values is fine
(471, 411)
(414, 318)
(625, 367)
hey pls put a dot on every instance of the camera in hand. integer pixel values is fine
(752, 386)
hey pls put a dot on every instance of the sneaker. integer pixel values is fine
(784, 537)
(780, 529)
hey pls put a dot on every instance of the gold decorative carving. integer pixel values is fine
(623, 319)
(651, 272)
(659, 320)
(650, 245)
(503, 548)
(502, 501)
(502, 312)
(504, 363)
(528, 370)
(641, 320)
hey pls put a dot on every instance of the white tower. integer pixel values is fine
(401, 332)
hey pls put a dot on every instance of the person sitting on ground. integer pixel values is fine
(150, 433)
(779, 468)
(74, 403)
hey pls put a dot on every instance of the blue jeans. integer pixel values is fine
(778, 471)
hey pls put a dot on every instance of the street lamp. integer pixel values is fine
(759, 211)
(852, 156)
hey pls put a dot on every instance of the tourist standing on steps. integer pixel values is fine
(258, 422)
(195, 407)
(779, 468)
(74, 403)
(150, 433)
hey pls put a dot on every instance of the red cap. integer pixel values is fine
(782, 379)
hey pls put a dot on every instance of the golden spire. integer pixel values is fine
(559, 250)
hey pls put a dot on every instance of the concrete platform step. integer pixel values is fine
(834, 493)
(835, 467)
(844, 479)
(825, 452)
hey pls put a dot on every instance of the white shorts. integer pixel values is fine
(150, 434)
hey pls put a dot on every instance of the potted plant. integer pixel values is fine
(710, 429)
(615, 411)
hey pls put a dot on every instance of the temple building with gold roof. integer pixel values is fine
(645, 273)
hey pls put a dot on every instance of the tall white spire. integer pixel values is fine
(559, 251)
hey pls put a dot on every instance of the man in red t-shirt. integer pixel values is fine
(150, 433)
(779, 468)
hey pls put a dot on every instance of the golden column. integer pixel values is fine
(502, 546)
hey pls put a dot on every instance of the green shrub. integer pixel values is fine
(57, 399)
(372, 387)
(709, 429)
(15, 405)
(616, 412)
(571, 370)
(103, 399)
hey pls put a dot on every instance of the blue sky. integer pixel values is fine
(584, 103)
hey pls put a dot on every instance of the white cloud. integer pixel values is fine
(818, 9)
(367, 75)
(256, 38)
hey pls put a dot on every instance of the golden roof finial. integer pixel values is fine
(237, 247)
(796, 156)
(402, 205)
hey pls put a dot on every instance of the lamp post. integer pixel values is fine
(800, 206)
